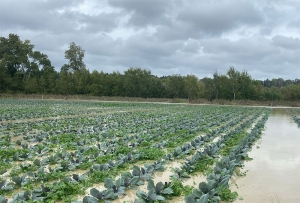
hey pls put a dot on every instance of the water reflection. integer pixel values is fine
(274, 172)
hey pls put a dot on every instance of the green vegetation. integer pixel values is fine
(179, 189)
(204, 165)
(119, 146)
(64, 191)
(24, 70)
(151, 153)
(230, 143)
(226, 194)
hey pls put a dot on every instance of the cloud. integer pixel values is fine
(143, 13)
(167, 37)
(216, 17)
(286, 42)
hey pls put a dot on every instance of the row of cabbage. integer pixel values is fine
(145, 174)
(295, 113)
(155, 192)
(11, 110)
(97, 148)
(41, 150)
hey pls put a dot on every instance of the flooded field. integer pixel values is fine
(126, 152)
(274, 173)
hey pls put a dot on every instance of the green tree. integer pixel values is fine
(191, 86)
(47, 80)
(174, 86)
(15, 54)
(246, 88)
(137, 82)
(82, 81)
(216, 83)
(208, 88)
(20, 64)
(75, 55)
(116, 84)
(65, 83)
(233, 80)
(31, 85)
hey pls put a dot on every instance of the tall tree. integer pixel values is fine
(137, 82)
(208, 88)
(174, 85)
(233, 79)
(21, 64)
(4, 77)
(245, 85)
(191, 86)
(216, 82)
(75, 55)
(15, 54)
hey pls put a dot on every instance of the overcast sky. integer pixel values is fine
(166, 36)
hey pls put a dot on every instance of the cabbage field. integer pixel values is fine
(76, 151)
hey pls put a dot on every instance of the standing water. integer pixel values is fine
(274, 173)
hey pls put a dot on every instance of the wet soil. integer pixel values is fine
(274, 173)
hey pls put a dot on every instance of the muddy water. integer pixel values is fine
(274, 173)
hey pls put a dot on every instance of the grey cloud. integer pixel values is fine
(221, 16)
(191, 46)
(146, 12)
(286, 42)
(103, 45)
(167, 37)
(295, 24)
(38, 16)
(150, 46)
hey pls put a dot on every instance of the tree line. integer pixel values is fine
(24, 70)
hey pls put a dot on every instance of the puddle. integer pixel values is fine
(274, 173)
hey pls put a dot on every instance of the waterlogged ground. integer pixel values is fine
(274, 173)
(47, 142)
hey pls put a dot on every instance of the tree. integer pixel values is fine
(82, 81)
(4, 78)
(116, 84)
(208, 88)
(245, 85)
(233, 79)
(15, 54)
(191, 86)
(47, 80)
(20, 64)
(174, 86)
(224, 87)
(216, 82)
(137, 82)
(75, 55)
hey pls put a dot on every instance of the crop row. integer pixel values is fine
(295, 113)
(41, 150)
(11, 110)
(209, 149)
(81, 151)
(198, 162)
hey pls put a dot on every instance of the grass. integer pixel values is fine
(226, 194)
(204, 165)
(232, 142)
(63, 191)
(151, 153)
(179, 189)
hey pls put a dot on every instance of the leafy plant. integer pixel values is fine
(64, 190)
(155, 192)
(226, 194)
(3, 199)
(179, 189)
(151, 153)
